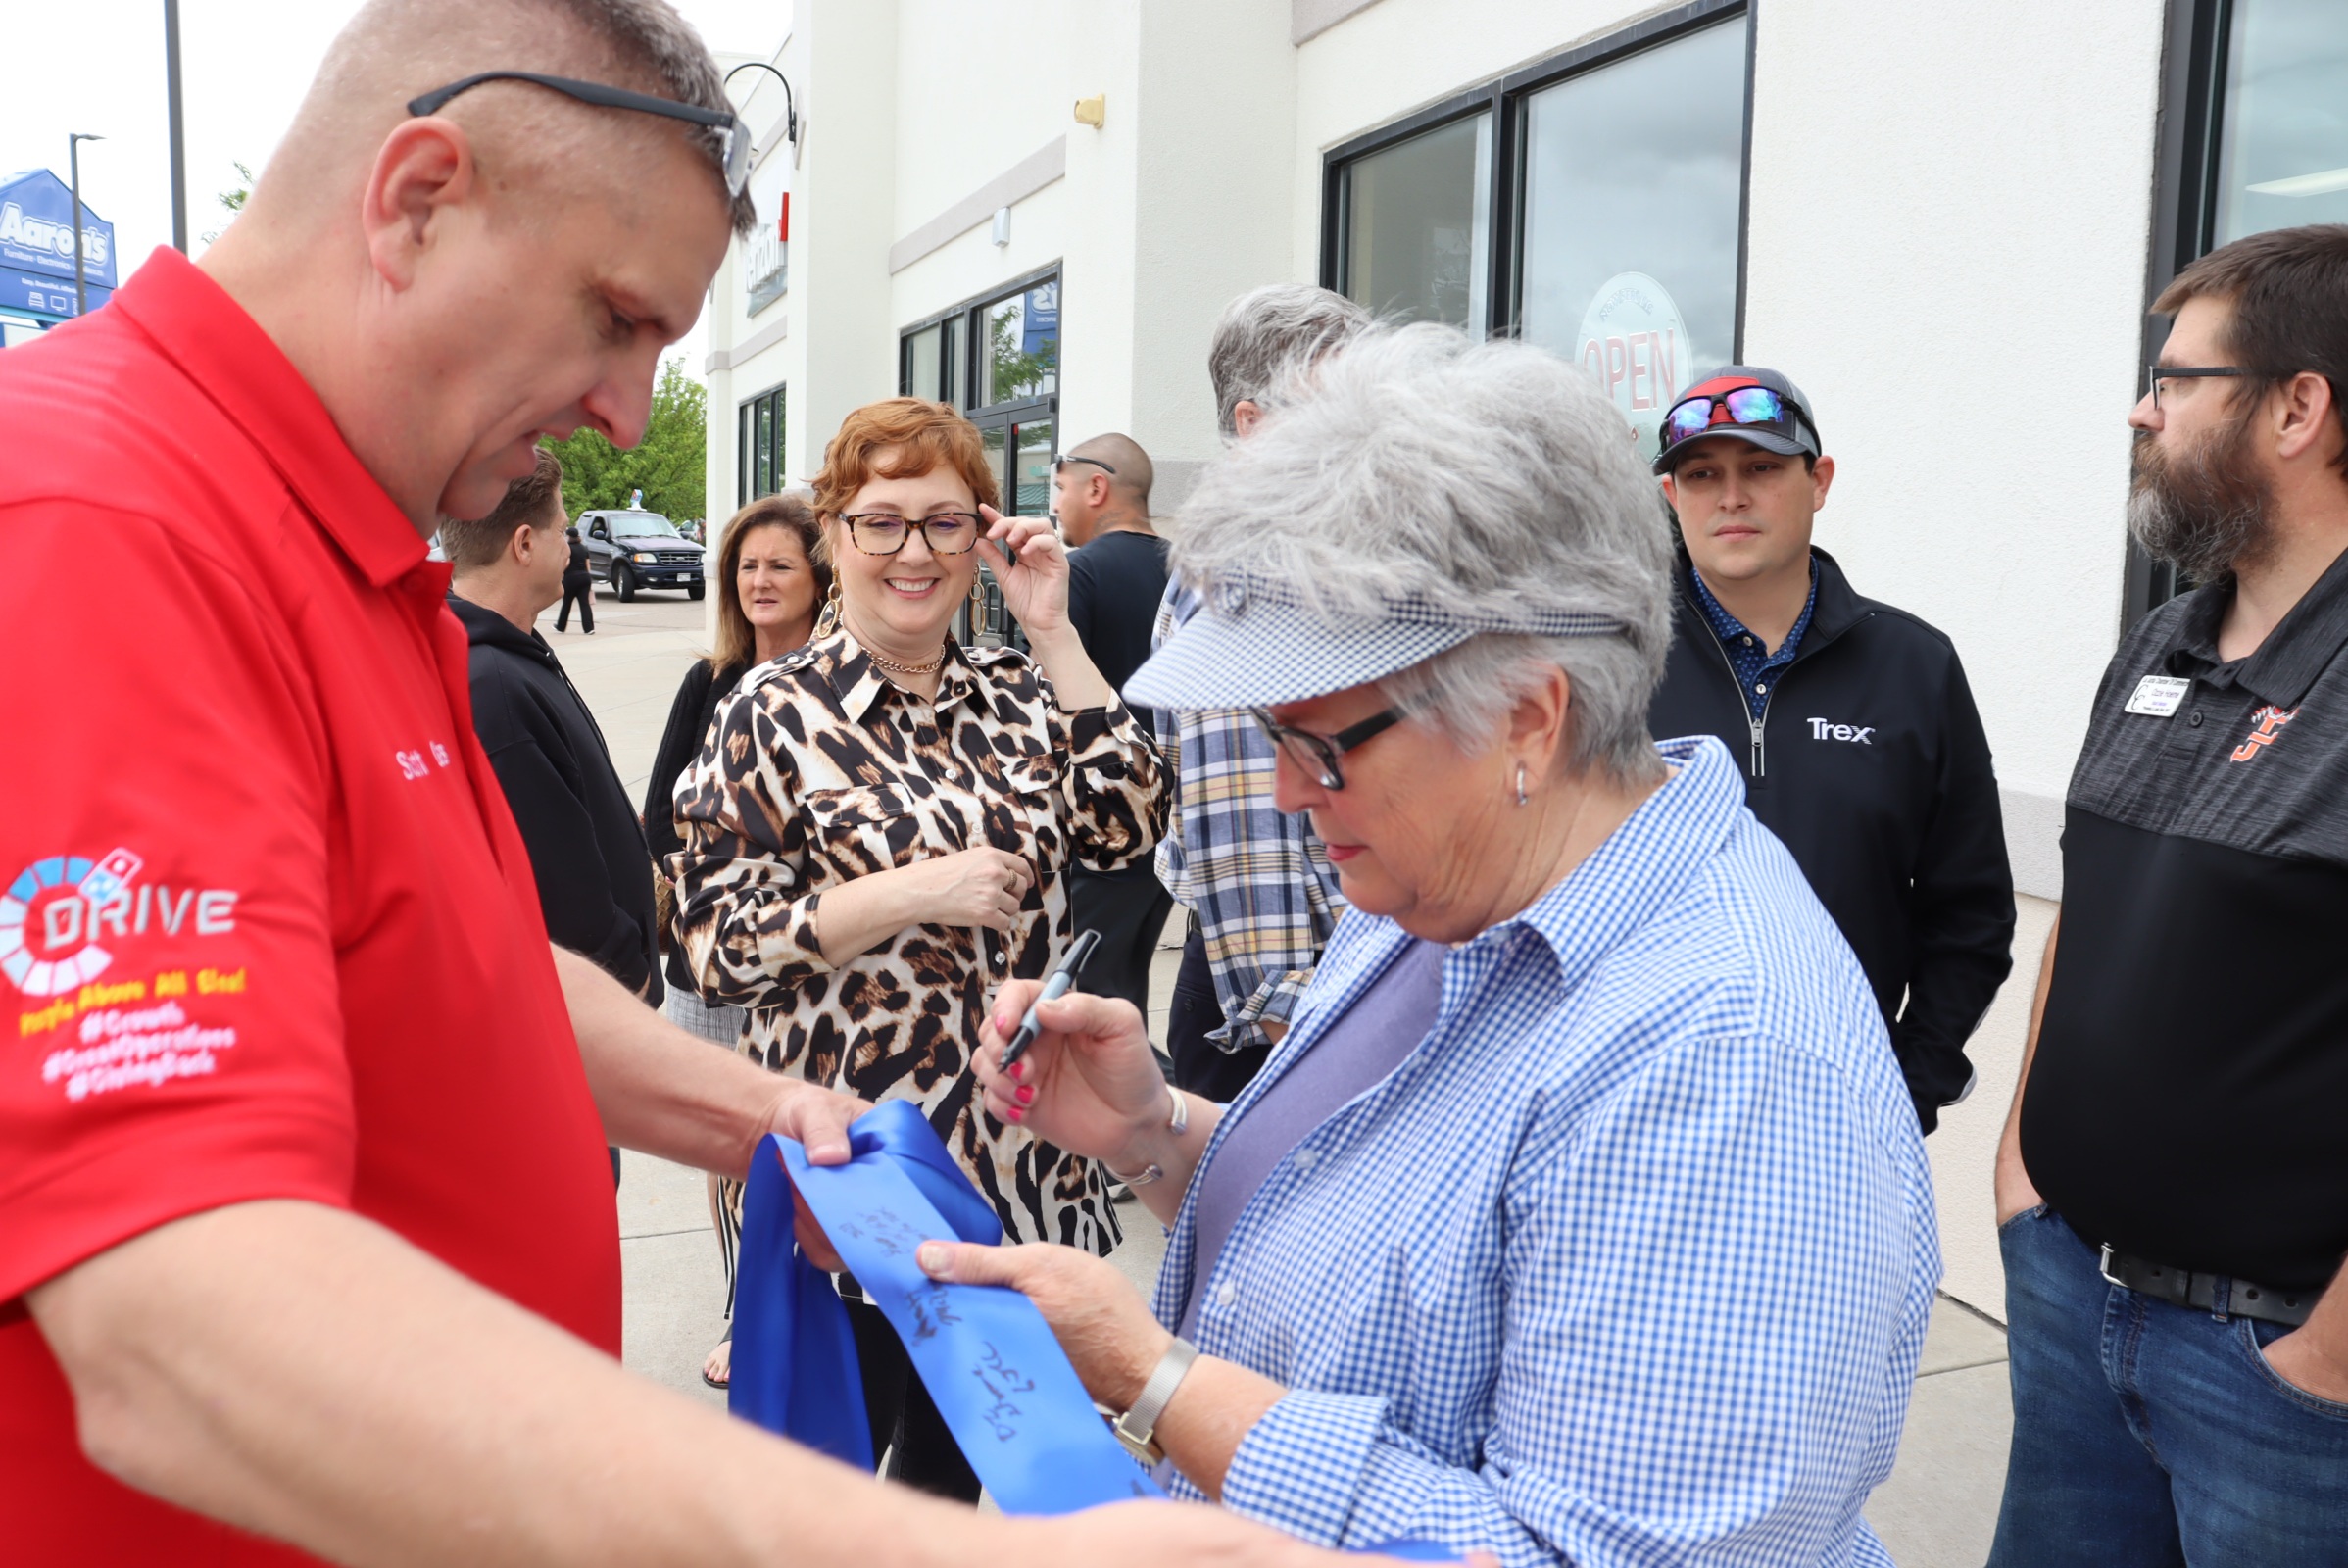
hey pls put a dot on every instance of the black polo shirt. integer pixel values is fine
(2189, 1098)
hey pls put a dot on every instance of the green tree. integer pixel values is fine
(669, 465)
(234, 200)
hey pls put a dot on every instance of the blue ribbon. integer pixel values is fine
(987, 1359)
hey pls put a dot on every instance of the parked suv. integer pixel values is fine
(640, 550)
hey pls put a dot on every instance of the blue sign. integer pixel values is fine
(36, 236)
(43, 293)
(1040, 319)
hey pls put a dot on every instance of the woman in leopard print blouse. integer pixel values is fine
(878, 830)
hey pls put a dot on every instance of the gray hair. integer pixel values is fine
(1484, 478)
(1271, 336)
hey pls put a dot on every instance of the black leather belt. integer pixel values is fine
(2200, 1292)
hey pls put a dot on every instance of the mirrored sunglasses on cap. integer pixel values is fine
(1692, 417)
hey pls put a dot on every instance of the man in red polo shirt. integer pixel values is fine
(305, 1230)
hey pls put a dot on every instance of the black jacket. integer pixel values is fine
(1870, 764)
(576, 565)
(595, 881)
(689, 721)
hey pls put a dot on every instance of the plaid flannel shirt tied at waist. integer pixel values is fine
(1259, 880)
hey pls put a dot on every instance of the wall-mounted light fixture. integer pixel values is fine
(1002, 234)
(1091, 111)
(790, 104)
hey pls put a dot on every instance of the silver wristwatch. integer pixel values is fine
(1137, 1428)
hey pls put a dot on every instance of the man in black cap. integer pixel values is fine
(1861, 746)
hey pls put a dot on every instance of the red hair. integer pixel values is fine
(903, 438)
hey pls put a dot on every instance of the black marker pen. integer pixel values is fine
(1059, 984)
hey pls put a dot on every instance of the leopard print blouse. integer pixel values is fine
(818, 769)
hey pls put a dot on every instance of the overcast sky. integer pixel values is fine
(244, 64)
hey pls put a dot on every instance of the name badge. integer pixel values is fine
(2158, 695)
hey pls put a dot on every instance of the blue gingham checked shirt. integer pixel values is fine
(1629, 1262)
(1259, 880)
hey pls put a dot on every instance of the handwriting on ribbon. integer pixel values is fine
(1001, 1380)
(891, 1235)
(932, 1309)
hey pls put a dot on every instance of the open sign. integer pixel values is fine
(1634, 341)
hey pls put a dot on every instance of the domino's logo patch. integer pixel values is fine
(64, 916)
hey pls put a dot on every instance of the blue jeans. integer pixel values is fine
(2146, 1434)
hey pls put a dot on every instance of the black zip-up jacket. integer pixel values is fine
(594, 875)
(1869, 763)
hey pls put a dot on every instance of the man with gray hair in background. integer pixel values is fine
(1262, 897)
(307, 1241)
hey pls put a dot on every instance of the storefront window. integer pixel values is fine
(1031, 469)
(1022, 346)
(761, 447)
(2254, 136)
(1592, 203)
(1417, 226)
(933, 362)
(2282, 144)
(1631, 198)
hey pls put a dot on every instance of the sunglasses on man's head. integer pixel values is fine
(1692, 417)
(734, 140)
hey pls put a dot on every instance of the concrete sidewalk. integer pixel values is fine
(1937, 1509)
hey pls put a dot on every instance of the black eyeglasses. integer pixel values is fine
(1058, 464)
(1317, 755)
(884, 534)
(734, 140)
(2188, 372)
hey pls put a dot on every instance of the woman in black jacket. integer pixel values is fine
(771, 585)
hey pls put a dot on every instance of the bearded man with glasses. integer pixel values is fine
(2173, 1183)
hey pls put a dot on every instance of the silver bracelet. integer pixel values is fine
(1177, 1123)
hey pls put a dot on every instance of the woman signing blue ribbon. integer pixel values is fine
(1581, 1216)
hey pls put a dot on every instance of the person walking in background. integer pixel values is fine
(2173, 1185)
(1860, 743)
(878, 831)
(1116, 578)
(1257, 880)
(579, 584)
(587, 850)
(770, 579)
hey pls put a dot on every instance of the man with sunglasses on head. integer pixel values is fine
(307, 1238)
(1860, 743)
(1117, 576)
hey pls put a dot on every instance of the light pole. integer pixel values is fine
(170, 79)
(81, 293)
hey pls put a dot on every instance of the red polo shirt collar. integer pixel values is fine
(202, 329)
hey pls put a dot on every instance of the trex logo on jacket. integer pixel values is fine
(1821, 730)
(2269, 721)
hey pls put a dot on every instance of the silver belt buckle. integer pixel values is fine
(2104, 1264)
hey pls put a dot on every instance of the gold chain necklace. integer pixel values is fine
(896, 669)
(891, 664)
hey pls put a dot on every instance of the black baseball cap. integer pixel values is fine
(1772, 414)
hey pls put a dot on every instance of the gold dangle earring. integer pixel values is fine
(827, 620)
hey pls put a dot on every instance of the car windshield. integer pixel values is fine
(642, 526)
